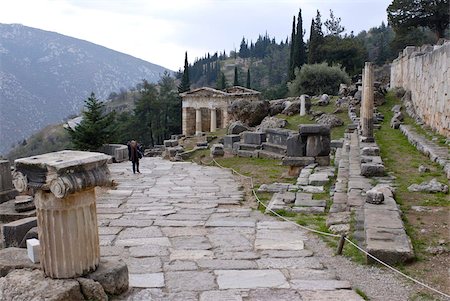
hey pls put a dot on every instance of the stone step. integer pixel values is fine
(274, 148)
(269, 155)
(247, 154)
(247, 147)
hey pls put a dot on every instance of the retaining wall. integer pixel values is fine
(425, 71)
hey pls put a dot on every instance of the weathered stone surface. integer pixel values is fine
(374, 196)
(432, 186)
(330, 120)
(340, 228)
(217, 150)
(23, 203)
(338, 218)
(372, 170)
(7, 191)
(228, 140)
(318, 179)
(32, 233)
(427, 86)
(322, 285)
(256, 138)
(279, 294)
(92, 290)
(310, 209)
(390, 245)
(297, 161)
(112, 275)
(22, 285)
(190, 281)
(227, 295)
(147, 280)
(14, 232)
(292, 107)
(231, 279)
(313, 129)
(237, 127)
(271, 122)
(249, 112)
(333, 295)
(317, 146)
(14, 258)
(295, 146)
(312, 189)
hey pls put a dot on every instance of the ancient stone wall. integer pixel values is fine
(425, 71)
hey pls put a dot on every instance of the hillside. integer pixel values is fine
(46, 76)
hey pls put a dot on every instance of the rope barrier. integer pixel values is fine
(328, 234)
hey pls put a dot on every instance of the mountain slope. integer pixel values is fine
(46, 76)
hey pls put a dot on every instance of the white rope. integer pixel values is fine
(397, 271)
(330, 234)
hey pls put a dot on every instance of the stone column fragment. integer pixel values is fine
(302, 105)
(65, 208)
(6, 185)
(367, 102)
(198, 121)
(213, 127)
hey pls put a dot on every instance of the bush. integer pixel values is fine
(318, 79)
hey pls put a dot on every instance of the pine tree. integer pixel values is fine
(185, 84)
(248, 78)
(95, 129)
(236, 80)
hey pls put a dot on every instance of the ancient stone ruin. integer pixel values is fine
(206, 109)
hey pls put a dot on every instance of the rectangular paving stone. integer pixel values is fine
(190, 281)
(289, 263)
(112, 251)
(148, 280)
(106, 240)
(187, 231)
(129, 222)
(148, 251)
(220, 264)
(180, 265)
(310, 203)
(159, 241)
(220, 296)
(145, 232)
(190, 254)
(311, 274)
(325, 285)
(334, 295)
(275, 225)
(287, 254)
(143, 265)
(230, 223)
(178, 223)
(247, 279)
(191, 243)
(312, 210)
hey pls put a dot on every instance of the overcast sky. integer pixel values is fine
(160, 31)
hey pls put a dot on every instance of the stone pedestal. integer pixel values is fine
(65, 208)
(6, 187)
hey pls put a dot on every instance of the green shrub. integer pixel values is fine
(317, 79)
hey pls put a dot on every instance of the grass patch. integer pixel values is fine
(285, 213)
(338, 132)
(362, 294)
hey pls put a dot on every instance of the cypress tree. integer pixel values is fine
(221, 82)
(185, 84)
(300, 43)
(291, 57)
(315, 40)
(248, 78)
(236, 80)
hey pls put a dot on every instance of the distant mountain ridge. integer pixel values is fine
(46, 76)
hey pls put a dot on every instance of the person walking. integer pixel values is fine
(134, 155)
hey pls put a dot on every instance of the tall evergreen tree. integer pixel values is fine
(248, 78)
(185, 84)
(236, 77)
(96, 127)
(300, 44)
(221, 82)
(315, 40)
(291, 55)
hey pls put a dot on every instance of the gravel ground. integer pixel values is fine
(379, 284)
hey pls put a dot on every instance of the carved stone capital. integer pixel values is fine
(20, 181)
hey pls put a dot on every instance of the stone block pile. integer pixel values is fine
(299, 197)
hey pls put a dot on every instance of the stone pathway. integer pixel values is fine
(184, 234)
